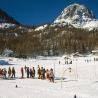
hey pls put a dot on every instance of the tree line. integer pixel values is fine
(49, 41)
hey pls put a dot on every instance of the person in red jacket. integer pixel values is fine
(22, 72)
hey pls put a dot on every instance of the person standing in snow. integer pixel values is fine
(39, 72)
(47, 74)
(22, 72)
(13, 72)
(51, 75)
(28, 72)
(4, 73)
(33, 72)
(59, 62)
(42, 73)
(9, 72)
(0, 72)
(25, 69)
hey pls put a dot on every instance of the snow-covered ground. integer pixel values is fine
(82, 80)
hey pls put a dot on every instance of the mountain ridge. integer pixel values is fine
(7, 21)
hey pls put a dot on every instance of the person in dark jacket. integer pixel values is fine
(28, 72)
(44, 71)
(13, 72)
(9, 72)
(33, 72)
(25, 69)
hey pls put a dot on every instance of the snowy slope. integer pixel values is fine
(41, 27)
(91, 25)
(78, 16)
(82, 81)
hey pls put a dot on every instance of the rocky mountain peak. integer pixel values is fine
(77, 15)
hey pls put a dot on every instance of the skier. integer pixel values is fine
(13, 72)
(22, 72)
(9, 72)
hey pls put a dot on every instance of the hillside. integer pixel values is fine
(50, 41)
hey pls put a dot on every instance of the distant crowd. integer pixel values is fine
(42, 73)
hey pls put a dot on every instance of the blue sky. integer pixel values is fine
(34, 12)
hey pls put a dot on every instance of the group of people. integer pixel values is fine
(11, 72)
(45, 74)
(30, 73)
(41, 72)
